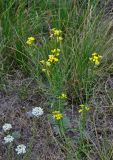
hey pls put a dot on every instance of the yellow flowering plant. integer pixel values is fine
(59, 38)
(83, 108)
(56, 33)
(43, 70)
(30, 40)
(42, 61)
(63, 96)
(57, 115)
(56, 51)
(95, 58)
(52, 58)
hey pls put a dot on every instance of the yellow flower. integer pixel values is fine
(55, 112)
(30, 40)
(59, 38)
(56, 33)
(57, 115)
(63, 96)
(83, 108)
(97, 62)
(48, 64)
(52, 58)
(42, 61)
(95, 58)
(80, 110)
(56, 51)
(43, 70)
(94, 54)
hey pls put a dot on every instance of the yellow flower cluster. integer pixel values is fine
(53, 57)
(83, 108)
(56, 33)
(56, 51)
(57, 115)
(95, 58)
(62, 96)
(30, 40)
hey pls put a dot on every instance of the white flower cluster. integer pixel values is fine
(8, 139)
(37, 111)
(7, 127)
(21, 149)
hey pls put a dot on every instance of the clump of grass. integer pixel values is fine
(82, 33)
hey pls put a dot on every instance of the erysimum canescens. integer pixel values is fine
(83, 108)
(57, 115)
(56, 33)
(62, 96)
(30, 40)
(52, 58)
(95, 58)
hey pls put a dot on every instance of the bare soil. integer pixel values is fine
(17, 97)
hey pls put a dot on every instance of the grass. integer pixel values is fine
(85, 30)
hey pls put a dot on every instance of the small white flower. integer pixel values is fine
(21, 149)
(37, 111)
(8, 139)
(7, 127)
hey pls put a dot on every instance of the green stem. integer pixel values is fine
(32, 140)
(9, 152)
